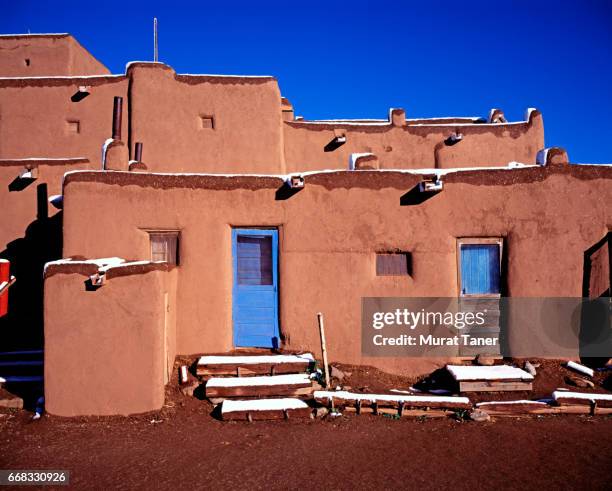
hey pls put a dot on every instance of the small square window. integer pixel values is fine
(393, 264)
(207, 122)
(164, 246)
(73, 126)
(26, 62)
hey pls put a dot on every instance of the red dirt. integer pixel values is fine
(182, 446)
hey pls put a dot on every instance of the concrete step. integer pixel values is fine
(246, 365)
(259, 409)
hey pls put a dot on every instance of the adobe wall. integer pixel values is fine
(415, 144)
(41, 55)
(106, 351)
(167, 111)
(38, 117)
(329, 234)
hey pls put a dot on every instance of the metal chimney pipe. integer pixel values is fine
(138, 156)
(117, 110)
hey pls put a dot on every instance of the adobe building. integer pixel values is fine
(152, 214)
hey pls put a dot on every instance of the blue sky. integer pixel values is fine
(356, 58)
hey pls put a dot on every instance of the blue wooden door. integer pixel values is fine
(480, 269)
(255, 290)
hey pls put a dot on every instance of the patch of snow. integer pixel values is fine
(246, 360)
(230, 406)
(262, 381)
(524, 401)
(495, 372)
(101, 262)
(37, 34)
(107, 267)
(355, 156)
(350, 396)
(528, 112)
(580, 368)
(107, 143)
(581, 395)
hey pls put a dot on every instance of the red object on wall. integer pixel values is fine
(5, 268)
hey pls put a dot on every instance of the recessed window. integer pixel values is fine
(164, 246)
(26, 62)
(73, 126)
(207, 122)
(393, 264)
(479, 266)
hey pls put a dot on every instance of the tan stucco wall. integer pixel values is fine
(51, 54)
(413, 146)
(166, 117)
(329, 233)
(35, 116)
(104, 349)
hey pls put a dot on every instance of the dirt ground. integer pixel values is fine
(183, 446)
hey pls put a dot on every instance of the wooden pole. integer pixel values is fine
(323, 348)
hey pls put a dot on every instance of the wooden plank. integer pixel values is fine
(274, 414)
(382, 403)
(574, 401)
(493, 386)
(252, 369)
(259, 391)
(414, 413)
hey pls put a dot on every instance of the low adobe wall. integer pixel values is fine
(205, 123)
(109, 350)
(329, 233)
(413, 144)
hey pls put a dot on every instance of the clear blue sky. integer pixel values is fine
(355, 58)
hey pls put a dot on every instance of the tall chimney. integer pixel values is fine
(117, 109)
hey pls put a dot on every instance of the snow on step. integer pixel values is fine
(566, 398)
(253, 364)
(230, 406)
(496, 372)
(255, 359)
(580, 368)
(520, 402)
(263, 381)
(409, 400)
(264, 409)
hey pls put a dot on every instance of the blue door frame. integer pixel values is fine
(255, 288)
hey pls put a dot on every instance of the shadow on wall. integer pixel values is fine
(595, 334)
(22, 327)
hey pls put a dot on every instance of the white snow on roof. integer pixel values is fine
(54, 159)
(246, 360)
(100, 262)
(123, 264)
(38, 34)
(76, 77)
(495, 372)
(293, 379)
(351, 396)
(229, 406)
(524, 401)
(581, 395)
